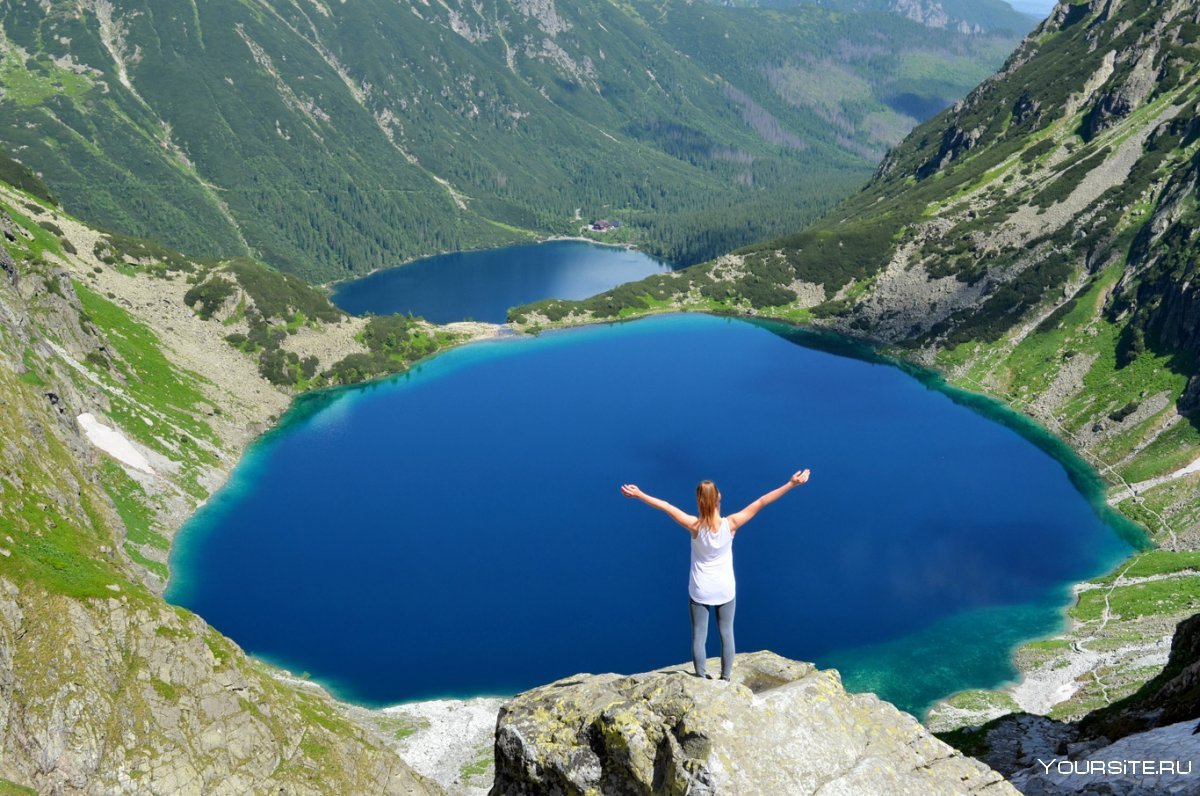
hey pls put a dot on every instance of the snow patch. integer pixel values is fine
(113, 443)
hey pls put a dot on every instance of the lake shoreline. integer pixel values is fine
(255, 416)
(1035, 682)
(329, 288)
(875, 354)
(501, 329)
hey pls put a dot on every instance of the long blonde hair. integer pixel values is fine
(708, 500)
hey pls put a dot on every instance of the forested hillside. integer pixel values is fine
(333, 138)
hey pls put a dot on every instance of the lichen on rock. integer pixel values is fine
(780, 726)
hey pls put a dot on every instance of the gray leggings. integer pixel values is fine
(700, 635)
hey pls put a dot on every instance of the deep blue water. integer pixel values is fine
(483, 285)
(459, 530)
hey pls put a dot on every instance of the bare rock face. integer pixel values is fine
(128, 696)
(104, 688)
(9, 231)
(1173, 696)
(780, 727)
(9, 267)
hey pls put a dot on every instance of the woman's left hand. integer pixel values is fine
(631, 491)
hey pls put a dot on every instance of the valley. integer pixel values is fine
(333, 140)
(1032, 242)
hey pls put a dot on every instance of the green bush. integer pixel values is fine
(282, 296)
(210, 295)
(1037, 150)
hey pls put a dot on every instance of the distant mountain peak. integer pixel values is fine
(933, 15)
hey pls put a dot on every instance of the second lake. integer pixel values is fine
(483, 285)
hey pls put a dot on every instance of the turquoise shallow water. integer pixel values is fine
(459, 530)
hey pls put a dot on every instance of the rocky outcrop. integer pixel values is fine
(7, 264)
(779, 727)
(955, 142)
(125, 695)
(1154, 726)
(929, 14)
(10, 268)
(1124, 98)
(1146, 764)
(1173, 696)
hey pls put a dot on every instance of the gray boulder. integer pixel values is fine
(781, 727)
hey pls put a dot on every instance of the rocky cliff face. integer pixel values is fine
(125, 695)
(1157, 724)
(1042, 166)
(779, 727)
(1171, 697)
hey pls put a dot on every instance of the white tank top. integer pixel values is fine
(711, 580)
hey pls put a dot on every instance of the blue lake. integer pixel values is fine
(483, 285)
(458, 530)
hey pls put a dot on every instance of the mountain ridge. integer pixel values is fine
(967, 17)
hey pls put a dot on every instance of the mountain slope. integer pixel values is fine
(123, 408)
(334, 138)
(1037, 242)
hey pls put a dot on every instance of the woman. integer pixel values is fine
(711, 581)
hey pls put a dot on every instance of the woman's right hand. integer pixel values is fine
(800, 477)
(631, 491)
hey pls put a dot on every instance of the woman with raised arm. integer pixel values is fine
(711, 582)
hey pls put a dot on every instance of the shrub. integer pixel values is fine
(210, 295)
(279, 295)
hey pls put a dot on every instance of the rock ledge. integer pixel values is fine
(780, 727)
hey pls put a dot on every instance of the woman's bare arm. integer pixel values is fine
(680, 516)
(745, 515)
